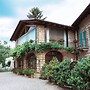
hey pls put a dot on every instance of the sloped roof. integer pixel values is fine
(22, 23)
(82, 16)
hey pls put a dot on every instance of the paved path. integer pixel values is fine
(10, 81)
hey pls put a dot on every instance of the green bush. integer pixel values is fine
(43, 72)
(50, 67)
(4, 70)
(32, 71)
(62, 72)
(80, 75)
(25, 71)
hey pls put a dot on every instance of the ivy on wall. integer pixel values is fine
(40, 47)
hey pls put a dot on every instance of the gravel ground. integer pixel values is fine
(10, 81)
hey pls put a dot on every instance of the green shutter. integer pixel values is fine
(81, 41)
(85, 42)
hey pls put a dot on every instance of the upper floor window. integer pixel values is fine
(29, 36)
(83, 39)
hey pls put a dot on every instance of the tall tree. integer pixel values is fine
(4, 52)
(35, 13)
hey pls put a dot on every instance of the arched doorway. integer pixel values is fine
(51, 54)
(31, 61)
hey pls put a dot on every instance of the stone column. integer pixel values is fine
(40, 34)
(40, 63)
(71, 38)
(24, 63)
(16, 63)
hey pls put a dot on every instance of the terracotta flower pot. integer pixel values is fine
(32, 75)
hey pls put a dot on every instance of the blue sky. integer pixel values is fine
(59, 11)
(8, 7)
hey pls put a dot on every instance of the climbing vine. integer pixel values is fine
(40, 47)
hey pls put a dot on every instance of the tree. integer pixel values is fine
(4, 52)
(35, 13)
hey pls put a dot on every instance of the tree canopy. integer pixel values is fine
(4, 52)
(35, 13)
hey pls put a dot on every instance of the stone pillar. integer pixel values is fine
(41, 61)
(16, 62)
(40, 34)
(24, 63)
(71, 38)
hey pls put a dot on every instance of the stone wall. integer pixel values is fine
(85, 25)
(67, 55)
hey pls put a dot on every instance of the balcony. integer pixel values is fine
(60, 41)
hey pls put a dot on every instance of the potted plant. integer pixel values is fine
(25, 72)
(31, 41)
(29, 73)
(32, 71)
(61, 40)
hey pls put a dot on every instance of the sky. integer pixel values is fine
(59, 11)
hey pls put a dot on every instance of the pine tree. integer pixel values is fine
(35, 13)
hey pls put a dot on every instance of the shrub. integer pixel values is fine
(62, 72)
(4, 70)
(32, 71)
(80, 75)
(43, 72)
(25, 72)
(49, 68)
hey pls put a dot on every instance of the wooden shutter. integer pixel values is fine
(81, 41)
(84, 36)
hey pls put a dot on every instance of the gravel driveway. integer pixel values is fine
(10, 81)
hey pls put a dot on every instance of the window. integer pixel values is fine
(83, 40)
(30, 35)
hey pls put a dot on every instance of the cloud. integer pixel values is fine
(6, 27)
(65, 12)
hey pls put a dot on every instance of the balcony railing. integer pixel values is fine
(60, 41)
(64, 43)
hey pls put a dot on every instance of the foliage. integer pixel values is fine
(69, 49)
(80, 75)
(62, 72)
(4, 52)
(4, 70)
(35, 13)
(24, 71)
(32, 71)
(49, 68)
(43, 72)
(40, 47)
(45, 46)
(22, 49)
